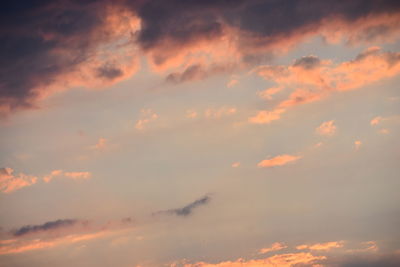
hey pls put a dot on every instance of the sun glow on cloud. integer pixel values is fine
(199, 133)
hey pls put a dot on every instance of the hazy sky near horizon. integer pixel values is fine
(200, 133)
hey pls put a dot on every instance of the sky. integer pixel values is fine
(199, 133)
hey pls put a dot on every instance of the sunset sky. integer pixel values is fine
(200, 133)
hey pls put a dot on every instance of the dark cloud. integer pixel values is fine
(308, 62)
(188, 209)
(52, 225)
(366, 260)
(41, 40)
(109, 72)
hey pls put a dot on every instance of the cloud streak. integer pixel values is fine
(188, 209)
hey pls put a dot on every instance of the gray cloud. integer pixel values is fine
(188, 209)
(52, 225)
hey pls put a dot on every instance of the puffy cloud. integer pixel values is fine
(322, 246)
(97, 43)
(278, 161)
(327, 128)
(64, 45)
(10, 182)
(275, 247)
(188, 209)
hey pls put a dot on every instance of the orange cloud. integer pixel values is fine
(282, 260)
(268, 93)
(327, 128)
(20, 246)
(312, 79)
(376, 121)
(235, 164)
(10, 183)
(78, 175)
(278, 161)
(322, 246)
(357, 144)
(264, 117)
(275, 247)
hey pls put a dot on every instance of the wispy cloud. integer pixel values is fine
(322, 246)
(274, 247)
(188, 209)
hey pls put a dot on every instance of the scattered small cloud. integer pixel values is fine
(264, 116)
(232, 82)
(235, 164)
(191, 114)
(147, 116)
(357, 144)
(375, 121)
(216, 113)
(278, 161)
(384, 131)
(10, 182)
(100, 145)
(327, 128)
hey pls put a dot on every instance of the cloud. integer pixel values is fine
(10, 182)
(235, 165)
(264, 116)
(268, 93)
(60, 232)
(98, 43)
(310, 79)
(48, 226)
(60, 46)
(100, 145)
(147, 116)
(282, 260)
(216, 113)
(70, 175)
(188, 209)
(322, 246)
(275, 247)
(327, 128)
(278, 161)
(357, 144)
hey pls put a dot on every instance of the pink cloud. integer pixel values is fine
(10, 182)
(278, 161)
